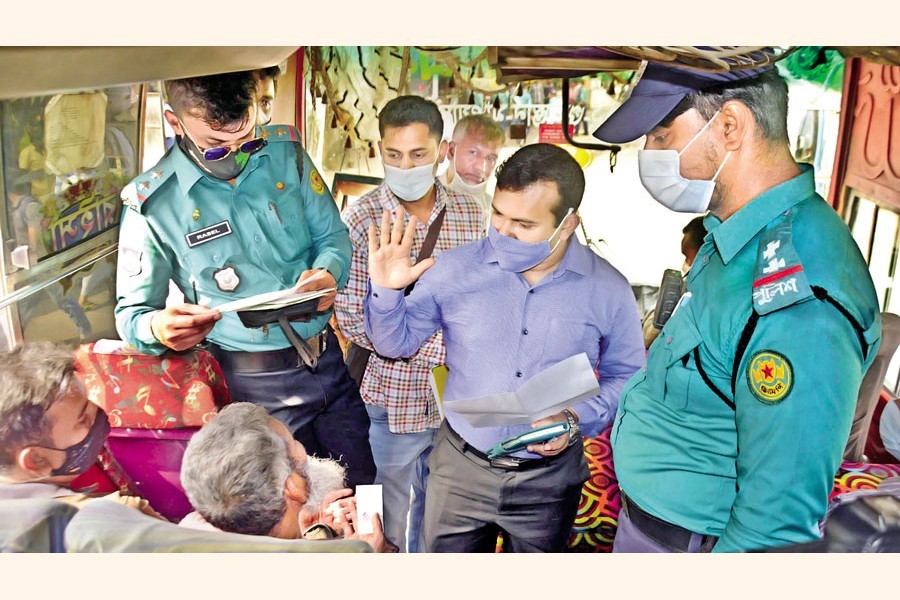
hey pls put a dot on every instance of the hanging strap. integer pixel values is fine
(428, 245)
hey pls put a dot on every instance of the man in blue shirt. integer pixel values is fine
(511, 305)
(231, 211)
(730, 438)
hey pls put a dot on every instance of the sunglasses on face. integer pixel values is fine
(220, 152)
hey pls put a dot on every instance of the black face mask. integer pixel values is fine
(80, 456)
(226, 168)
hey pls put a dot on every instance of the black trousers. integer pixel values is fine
(321, 407)
(468, 501)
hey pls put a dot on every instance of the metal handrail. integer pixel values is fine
(79, 264)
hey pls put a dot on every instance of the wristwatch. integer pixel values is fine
(574, 429)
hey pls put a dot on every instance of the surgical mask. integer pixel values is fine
(660, 172)
(410, 184)
(458, 184)
(518, 256)
(226, 168)
(80, 456)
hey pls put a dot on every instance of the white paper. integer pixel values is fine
(560, 386)
(368, 502)
(276, 299)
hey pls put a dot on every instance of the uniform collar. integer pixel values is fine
(189, 173)
(733, 234)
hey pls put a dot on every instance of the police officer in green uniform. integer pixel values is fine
(231, 211)
(730, 437)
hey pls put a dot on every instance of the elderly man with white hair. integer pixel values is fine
(244, 473)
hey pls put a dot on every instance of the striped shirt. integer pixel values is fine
(401, 386)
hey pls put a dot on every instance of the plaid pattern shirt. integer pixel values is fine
(401, 386)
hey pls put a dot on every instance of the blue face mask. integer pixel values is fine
(80, 456)
(517, 256)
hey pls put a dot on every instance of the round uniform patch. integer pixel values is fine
(316, 183)
(770, 376)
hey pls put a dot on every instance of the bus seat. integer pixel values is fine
(34, 525)
(106, 526)
(155, 404)
(870, 389)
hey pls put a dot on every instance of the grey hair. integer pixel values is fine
(766, 96)
(234, 471)
(32, 377)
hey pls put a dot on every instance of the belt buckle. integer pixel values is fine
(505, 462)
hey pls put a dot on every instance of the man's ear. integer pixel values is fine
(451, 150)
(295, 488)
(738, 123)
(35, 461)
(173, 122)
(569, 225)
(443, 149)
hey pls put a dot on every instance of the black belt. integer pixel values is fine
(508, 463)
(266, 360)
(673, 537)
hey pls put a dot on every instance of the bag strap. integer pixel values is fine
(428, 245)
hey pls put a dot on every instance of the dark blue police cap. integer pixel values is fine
(658, 92)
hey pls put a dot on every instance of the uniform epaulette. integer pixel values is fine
(281, 133)
(142, 187)
(778, 279)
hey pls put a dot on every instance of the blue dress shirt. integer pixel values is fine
(500, 331)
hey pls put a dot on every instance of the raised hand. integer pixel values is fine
(389, 263)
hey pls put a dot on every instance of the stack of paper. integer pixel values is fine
(276, 299)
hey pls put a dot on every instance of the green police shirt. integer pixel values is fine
(227, 242)
(757, 473)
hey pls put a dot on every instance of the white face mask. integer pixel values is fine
(660, 172)
(410, 184)
(458, 184)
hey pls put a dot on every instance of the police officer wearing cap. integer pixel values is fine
(231, 211)
(730, 437)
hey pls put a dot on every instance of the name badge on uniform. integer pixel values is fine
(208, 234)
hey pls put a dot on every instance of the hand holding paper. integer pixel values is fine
(320, 284)
(318, 279)
(566, 383)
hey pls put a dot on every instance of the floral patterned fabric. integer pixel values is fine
(598, 512)
(170, 391)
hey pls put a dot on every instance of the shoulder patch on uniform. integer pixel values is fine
(280, 133)
(779, 279)
(315, 182)
(142, 187)
(770, 376)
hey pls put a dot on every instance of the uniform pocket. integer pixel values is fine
(679, 338)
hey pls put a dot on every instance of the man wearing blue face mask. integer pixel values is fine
(233, 210)
(510, 306)
(730, 438)
(398, 393)
(50, 433)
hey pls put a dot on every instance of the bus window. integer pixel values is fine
(876, 230)
(65, 158)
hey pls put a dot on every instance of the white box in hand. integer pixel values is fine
(368, 502)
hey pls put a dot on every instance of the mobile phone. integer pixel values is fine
(670, 290)
(535, 436)
(368, 502)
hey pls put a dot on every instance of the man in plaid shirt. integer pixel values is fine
(397, 392)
